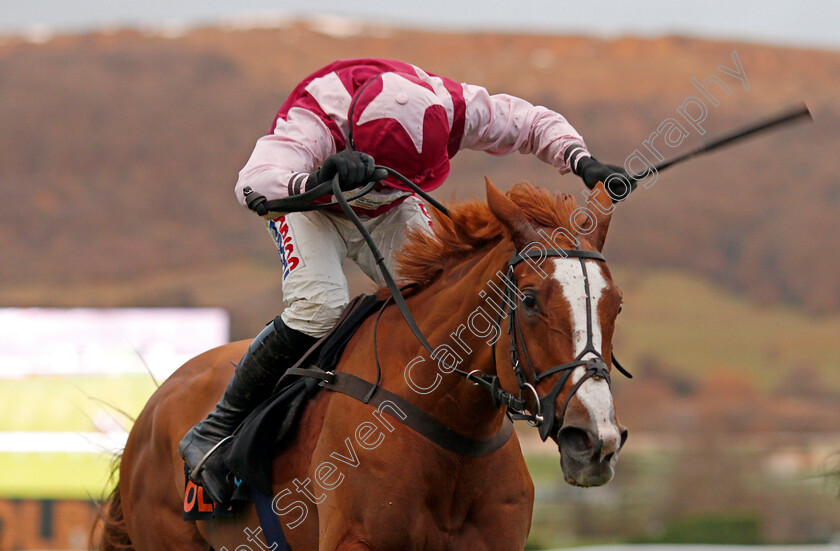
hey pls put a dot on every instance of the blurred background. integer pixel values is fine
(124, 251)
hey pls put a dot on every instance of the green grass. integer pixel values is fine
(64, 404)
(693, 327)
(70, 403)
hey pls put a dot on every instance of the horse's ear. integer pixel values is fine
(600, 204)
(511, 216)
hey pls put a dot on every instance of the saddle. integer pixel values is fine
(248, 454)
(264, 431)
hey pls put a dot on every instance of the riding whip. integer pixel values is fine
(786, 117)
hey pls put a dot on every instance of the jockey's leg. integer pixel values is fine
(388, 232)
(315, 294)
(315, 290)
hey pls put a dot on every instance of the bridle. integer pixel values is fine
(595, 366)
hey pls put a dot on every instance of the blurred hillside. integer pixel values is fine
(118, 156)
(120, 152)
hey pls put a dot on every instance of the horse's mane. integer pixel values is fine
(472, 226)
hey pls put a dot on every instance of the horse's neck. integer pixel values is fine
(456, 314)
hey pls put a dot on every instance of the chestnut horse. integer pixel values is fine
(353, 480)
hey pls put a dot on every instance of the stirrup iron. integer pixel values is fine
(200, 465)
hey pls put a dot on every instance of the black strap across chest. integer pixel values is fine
(407, 413)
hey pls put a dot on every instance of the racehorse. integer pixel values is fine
(350, 478)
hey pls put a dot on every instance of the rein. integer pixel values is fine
(596, 366)
(489, 382)
(303, 201)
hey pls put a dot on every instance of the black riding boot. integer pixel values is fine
(274, 350)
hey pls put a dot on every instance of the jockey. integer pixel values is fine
(338, 121)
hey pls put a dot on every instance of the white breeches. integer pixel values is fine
(313, 246)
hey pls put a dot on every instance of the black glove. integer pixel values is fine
(353, 168)
(616, 180)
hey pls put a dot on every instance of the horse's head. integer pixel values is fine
(561, 328)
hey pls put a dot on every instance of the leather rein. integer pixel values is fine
(419, 420)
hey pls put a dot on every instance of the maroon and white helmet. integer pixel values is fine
(400, 121)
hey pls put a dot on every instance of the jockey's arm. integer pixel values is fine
(500, 124)
(282, 161)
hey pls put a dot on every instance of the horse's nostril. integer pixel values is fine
(608, 457)
(624, 434)
(575, 440)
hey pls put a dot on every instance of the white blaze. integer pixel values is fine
(594, 394)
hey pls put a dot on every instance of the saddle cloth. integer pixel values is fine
(249, 454)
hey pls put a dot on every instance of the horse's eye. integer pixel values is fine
(620, 307)
(530, 300)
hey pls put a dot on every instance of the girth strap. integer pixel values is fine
(269, 522)
(407, 413)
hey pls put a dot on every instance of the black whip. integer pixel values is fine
(786, 117)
